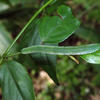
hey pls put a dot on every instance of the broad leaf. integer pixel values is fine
(56, 29)
(15, 82)
(56, 50)
(92, 58)
(31, 37)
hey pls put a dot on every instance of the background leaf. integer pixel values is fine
(5, 39)
(83, 31)
(15, 2)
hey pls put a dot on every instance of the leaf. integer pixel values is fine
(57, 50)
(15, 2)
(5, 39)
(96, 80)
(31, 37)
(15, 82)
(51, 9)
(28, 62)
(56, 29)
(93, 35)
(51, 70)
(92, 58)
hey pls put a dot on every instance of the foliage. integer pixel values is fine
(39, 42)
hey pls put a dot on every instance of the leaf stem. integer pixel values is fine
(34, 16)
(15, 54)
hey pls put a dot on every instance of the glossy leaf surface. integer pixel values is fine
(15, 82)
(92, 58)
(56, 29)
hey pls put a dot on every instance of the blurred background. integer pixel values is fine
(77, 81)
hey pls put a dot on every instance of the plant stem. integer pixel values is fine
(15, 54)
(34, 16)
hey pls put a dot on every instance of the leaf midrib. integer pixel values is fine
(15, 83)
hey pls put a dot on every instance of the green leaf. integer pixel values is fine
(15, 82)
(96, 80)
(56, 29)
(56, 50)
(51, 70)
(54, 6)
(93, 35)
(15, 2)
(5, 39)
(31, 37)
(92, 58)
